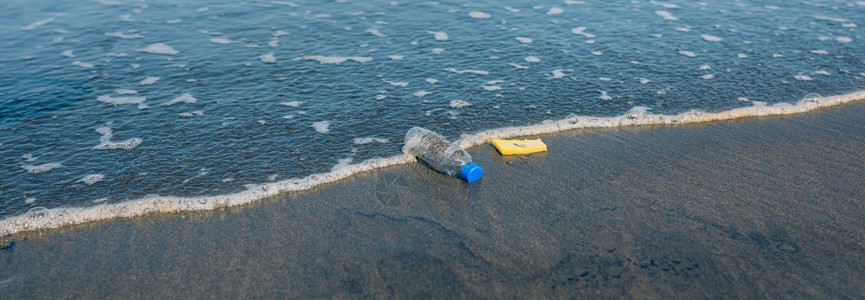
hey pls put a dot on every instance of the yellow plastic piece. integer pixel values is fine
(511, 147)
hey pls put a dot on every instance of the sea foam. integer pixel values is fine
(267, 58)
(120, 100)
(666, 15)
(159, 48)
(711, 38)
(41, 168)
(185, 98)
(91, 179)
(38, 24)
(524, 40)
(479, 15)
(331, 60)
(220, 40)
(121, 35)
(370, 140)
(439, 35)
(149, 80)
(476, 72)
(639, 116)
(105, 142)
(322, 127)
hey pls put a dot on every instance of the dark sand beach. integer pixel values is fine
(752, 208)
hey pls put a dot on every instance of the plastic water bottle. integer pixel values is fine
(441, 155)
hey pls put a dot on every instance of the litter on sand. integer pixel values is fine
(511, 147)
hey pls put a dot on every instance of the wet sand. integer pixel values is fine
(755, 208)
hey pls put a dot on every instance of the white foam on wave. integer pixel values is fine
(687, 53)
(59, 217)
(604, 96)
(185, 98)
(479, 15)
(375, 32)
(532, 59)
(819, 52)
(67, 53)
(439, 35)
(85, 65)
(666, 15)
(802, 77)
(91, 179)
(397, 83)
(41, 168)
(396, 57)
(555, 11)
(639, 116)
(149, 80)
(292, 103)
(121, 35)
(524, 40)
(460, 103)
(370, 140)
(335, 60)
(39, 23)
(220, 40)
(126, 92)
(711, 38)
(833, 19)
(105, 142)
(120, 100)
(518, 66)
(559, 73)
(322, 127)
(476, 72)
(267, 58)
(159, 48)
(421, 94)
(582, 31)
(843, 39)
(664, 4)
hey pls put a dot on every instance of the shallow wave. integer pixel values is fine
(37, 219)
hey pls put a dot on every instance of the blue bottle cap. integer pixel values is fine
(471, 173)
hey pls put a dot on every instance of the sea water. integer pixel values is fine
(117, 107)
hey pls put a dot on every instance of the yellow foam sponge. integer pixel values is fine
(510, 147)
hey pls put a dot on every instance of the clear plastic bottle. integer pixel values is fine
(440, 154)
